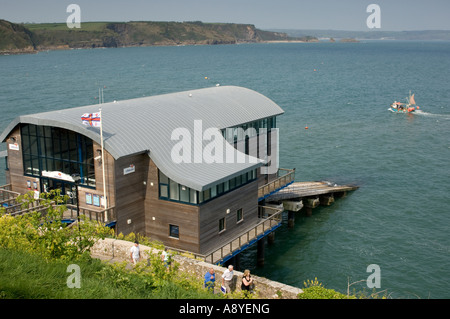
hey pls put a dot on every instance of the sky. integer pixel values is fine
(395, 15)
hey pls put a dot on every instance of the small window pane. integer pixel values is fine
(193, 198)
(164, 191)
(174, 191)
(232, 183)
(220, 188)
(206, 194)
(221, 224)
(174, 231)
(184, 194)
(163, 178)
(244, 178)
(239, 215)
(213, 191)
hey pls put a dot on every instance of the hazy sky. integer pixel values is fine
(265, 14)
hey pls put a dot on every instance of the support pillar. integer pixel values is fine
(308, 211)
(260, 252)
(271, 238)
(340, 194)
(310, 203)
(326, 200)
(291, 219)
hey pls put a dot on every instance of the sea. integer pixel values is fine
(336, 127)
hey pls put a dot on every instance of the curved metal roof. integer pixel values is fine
(145, 125)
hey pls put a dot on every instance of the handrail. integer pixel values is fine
(277, 184)
(270, 219)
(6, 194)
(99, 215)
(274, 217)
(16, 209)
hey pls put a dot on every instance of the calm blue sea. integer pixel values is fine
(399, 217)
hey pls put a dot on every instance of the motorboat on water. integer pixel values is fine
(408, 107)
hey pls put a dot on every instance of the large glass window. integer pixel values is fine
(171, 190)
(46, 148)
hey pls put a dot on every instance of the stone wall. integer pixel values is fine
(119, 250)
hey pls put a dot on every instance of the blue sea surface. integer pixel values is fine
(399, 217)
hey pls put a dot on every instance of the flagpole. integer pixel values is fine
(103, 163)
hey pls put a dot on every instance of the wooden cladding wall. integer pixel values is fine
(130, 177)
(15, 175)
(244, 198)
(160, 214)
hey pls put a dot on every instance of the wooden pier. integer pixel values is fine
(293, 197)
(299, 190)
(306, 196)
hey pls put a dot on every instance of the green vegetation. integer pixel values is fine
(28, 276)
(15, 38)
(36, 250)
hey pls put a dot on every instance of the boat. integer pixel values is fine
(408, 107)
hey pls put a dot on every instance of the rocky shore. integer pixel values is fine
(32, 38)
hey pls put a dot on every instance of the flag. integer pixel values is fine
(91, 119)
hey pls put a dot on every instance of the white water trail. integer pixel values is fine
(441, 116)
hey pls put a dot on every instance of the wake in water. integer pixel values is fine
(441, 116)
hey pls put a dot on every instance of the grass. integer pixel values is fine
(85, 26)
(28, 276)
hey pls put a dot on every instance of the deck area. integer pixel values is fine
(270, 220)
(10, 205)
(298, 190)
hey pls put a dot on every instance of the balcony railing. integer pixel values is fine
(285, 177)
(102, 216)
(270, 219)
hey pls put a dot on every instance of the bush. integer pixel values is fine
(44, 232)
(315, 290)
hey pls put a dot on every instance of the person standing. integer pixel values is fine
(247, 281)
(210, 279)
(135, 253)
(227, 277)
(166, 258)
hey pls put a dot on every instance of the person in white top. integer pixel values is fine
(227, 277)
(135, 253)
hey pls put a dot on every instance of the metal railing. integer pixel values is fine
(277, 184)
(7, 197)
(103, 216)
(8, 200)
(270, 220)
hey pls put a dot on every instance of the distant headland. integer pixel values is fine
(31, 38)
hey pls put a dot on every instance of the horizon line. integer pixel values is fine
(261, 28)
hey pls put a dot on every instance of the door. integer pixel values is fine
(66, 188)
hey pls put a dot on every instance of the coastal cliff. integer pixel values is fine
(29, 38)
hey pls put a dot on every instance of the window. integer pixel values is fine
(174, 191)
(174, 231)
(171, 190)
(163, 185)
(46, 148)
(207, 194)
(184, 194)
(221, 224)
(193, 196)
(239, 215)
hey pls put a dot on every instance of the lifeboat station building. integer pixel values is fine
(189, 169)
